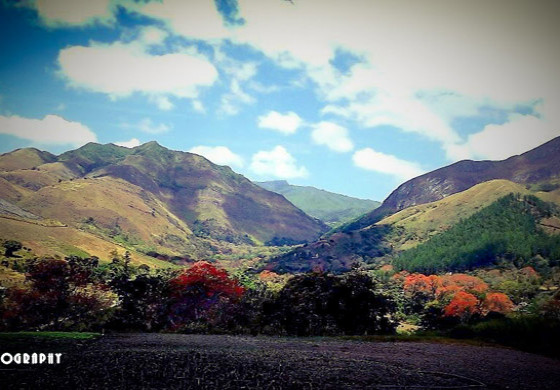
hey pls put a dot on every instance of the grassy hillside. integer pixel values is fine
(535, 166)
(147, 199)
(331, 208)
(417, 224)
(508, 229)
(24, 159)
(407, 229)
(52, 240)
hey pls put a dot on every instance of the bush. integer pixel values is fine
(529, 333)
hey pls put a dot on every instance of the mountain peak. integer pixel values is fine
(24, 158)
(150, 144)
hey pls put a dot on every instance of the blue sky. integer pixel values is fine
(350, 96)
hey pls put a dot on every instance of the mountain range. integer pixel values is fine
(147, 199)
(428, 205)
(331, 208)
(168, 207)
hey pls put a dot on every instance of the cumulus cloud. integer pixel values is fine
(152, 35)
(51, 130)
(498, 142)
(372, 160)
(420, 48)
(58, 13)
(220, 155)
(397, 108)
(146, 125)
(198, 19)
(277, 163)
(134, 142)
(121, 69)
(333, 136)
(287, 123)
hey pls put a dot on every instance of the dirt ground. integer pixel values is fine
(171, 361)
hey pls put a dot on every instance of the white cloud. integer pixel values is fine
(134, 142)
(146, 125)
(152, 35)
(120, 69)
(220, 155)
(474, 51)
(277, 163)
(162, 102)
(287, 123)
(198, 106)
(57, 13)
(231, 101)
(498, 142)
(52, 129)
(194, 18)
(333, 136)
(386, 163)
(497, 52)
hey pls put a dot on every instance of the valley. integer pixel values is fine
(153, 240)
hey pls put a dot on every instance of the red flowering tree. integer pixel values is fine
(198, 291)
(463, 305)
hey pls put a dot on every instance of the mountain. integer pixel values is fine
(508, 230)
(417, 224)
(426, 206)
(537, 165)
(329, 207)
(147, 199)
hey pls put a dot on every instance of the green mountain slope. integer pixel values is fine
(508, 229)
(417, 224)
(428, 205)
(329, 207)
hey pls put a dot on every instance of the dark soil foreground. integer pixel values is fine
(170, 361)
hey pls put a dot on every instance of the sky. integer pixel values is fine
(353, 96)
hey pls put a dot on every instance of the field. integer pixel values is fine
(151, 361)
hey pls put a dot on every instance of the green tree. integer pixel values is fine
(11, 246)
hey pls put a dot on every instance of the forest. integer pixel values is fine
(514, 306)
(507, 230)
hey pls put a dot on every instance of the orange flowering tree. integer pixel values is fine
(497, 302)
(458, 296)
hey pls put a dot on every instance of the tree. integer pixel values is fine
(497, 303)
(143, 301)
(419, 283)
(463, 305)
(324, 304)
(196, 293)
(11, 246)
(59, 294)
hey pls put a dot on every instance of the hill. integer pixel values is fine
(329, 207)
(426, 206)
(148, 199)
(537, 165)
(417, 224)
(509, 230)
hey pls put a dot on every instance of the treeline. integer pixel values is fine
(507, 229)
(82, 294)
